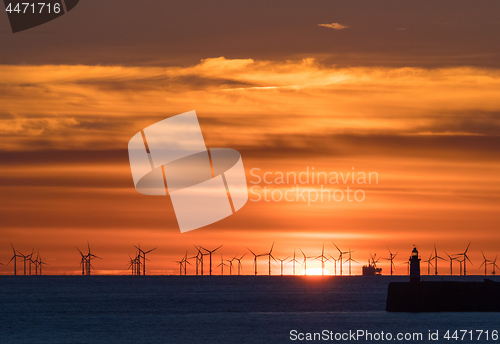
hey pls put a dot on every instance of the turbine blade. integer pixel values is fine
(467, 247)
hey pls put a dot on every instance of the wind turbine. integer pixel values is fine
(304, 262)
(186, 262)
(25, 258)
(131, 265)
(239, 263)
(334, 263)
(230, 261)
(429, 264)
(180, 262)
(14, 258)
(197, 259)
(294, 261)
(83, 262)
(485, 263)
(465, 258)
(270, 255)
(436, 257)
(38, 263)
(135, 264)
(391, 258)
(35, 262)
(495, 266)
(41, 263)
(340, 257)
(323, 259)
(31, 260)
(210, 253)
(90, 256)
(374, 260)
(143, 257)
(350, 260)
(282, 262)
(451, 262)
(460, 261)
(222, 264)
(200, 259)
(254, 261)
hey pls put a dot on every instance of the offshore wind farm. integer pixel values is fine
(199, 262)
(249, 172)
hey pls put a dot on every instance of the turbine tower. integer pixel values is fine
(323, 260)
(282, 261)
(83, 262)
(436, 257)
(143, 257)
(485, 263)
(334, 263)
(230, 261)
(210, 254)
(341, 254)
(465, 258)
(494, 266)
(200, 259)
(391, 258)
(39, 263)
(350, 260)
(304, 262)
(270, 255)
(451, 262)
(254, 261)
(180, 262)
(429, 264)
(239, 263)
(90, 256)
(186, 263)
(14, 258)
(294, 261)
(222, 264)
(25, 259)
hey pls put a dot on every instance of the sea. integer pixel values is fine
(225, 309)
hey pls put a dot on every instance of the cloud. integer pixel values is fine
(431, 134)
(240, 102)
(335, 26)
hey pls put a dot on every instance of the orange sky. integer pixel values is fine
(430, 134)
(407, 91)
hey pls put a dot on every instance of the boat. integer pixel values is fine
(370, 270)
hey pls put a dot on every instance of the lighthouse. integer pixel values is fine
(414, 266)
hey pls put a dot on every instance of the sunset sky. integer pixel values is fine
(408, 91)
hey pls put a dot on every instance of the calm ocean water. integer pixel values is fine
(217, 309)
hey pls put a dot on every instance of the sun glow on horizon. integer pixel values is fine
(315, 272)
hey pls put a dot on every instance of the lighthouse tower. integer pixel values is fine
(414, 266)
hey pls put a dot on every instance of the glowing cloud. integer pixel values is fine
(335, 26)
